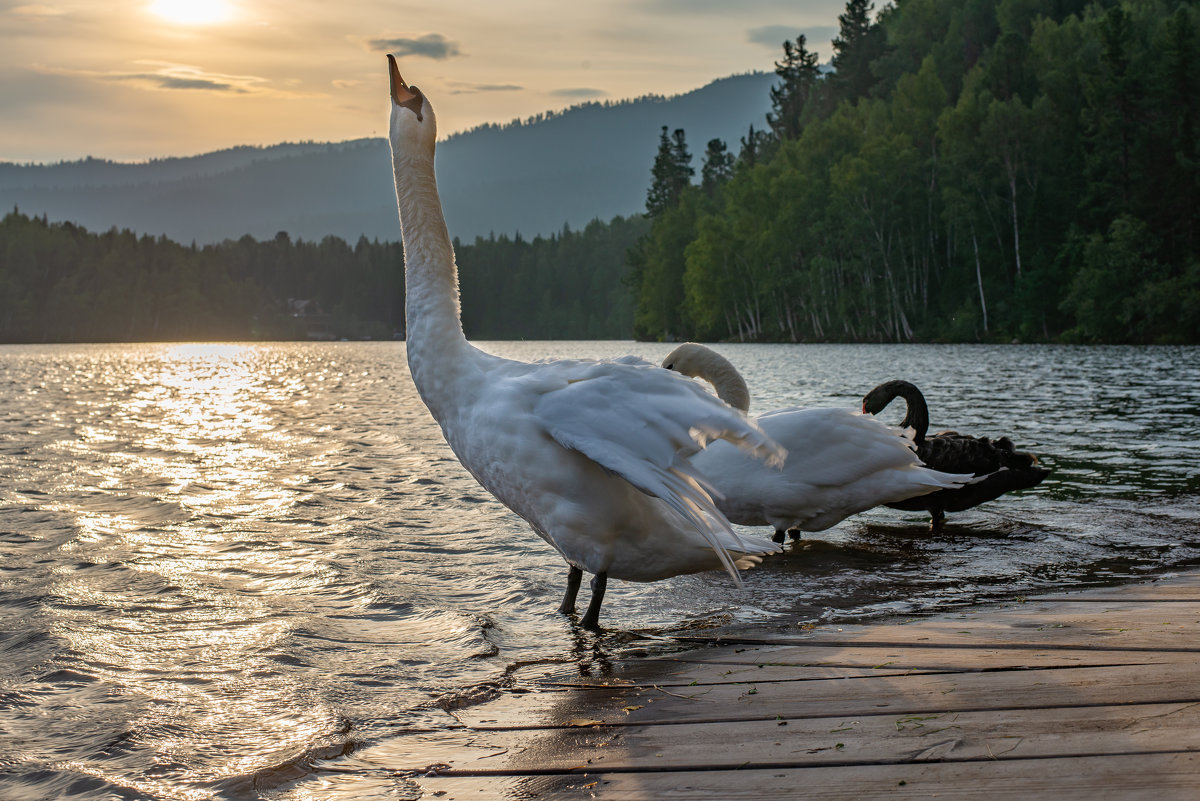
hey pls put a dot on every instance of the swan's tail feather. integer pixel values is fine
(697, 507)
(747, 561)
(939, 480)
(688, 497)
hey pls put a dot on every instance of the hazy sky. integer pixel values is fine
(138, 79)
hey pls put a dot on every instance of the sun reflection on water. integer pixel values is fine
(180, 475)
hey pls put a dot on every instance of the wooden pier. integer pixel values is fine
(1091, 695)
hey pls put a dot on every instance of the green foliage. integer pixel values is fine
(658, 261)
(572, 285)
(986, 170)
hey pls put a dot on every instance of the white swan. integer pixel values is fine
(840, 461)
(594, 455)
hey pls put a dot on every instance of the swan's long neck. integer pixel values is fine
(916, 414)
(698, 361)
(433, 327)
(730, 387)
(724, 377)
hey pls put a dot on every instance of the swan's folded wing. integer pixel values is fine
(641, 423)
(838, 446)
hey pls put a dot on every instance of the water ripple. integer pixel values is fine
(225, 569)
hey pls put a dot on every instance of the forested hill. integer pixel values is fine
(970, 171)
(591, 161)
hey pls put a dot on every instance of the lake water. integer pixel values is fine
(228, 571)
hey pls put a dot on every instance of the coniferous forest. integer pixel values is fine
(981, 171)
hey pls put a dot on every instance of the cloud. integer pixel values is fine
(36, 10)
(463, 88)
(340, 83)
(579, 93)
(823, 8)
(773, 36)
(429, 45)
(162, 75)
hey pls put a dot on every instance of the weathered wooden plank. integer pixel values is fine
(885, 656)
(666, 673)
(1182, 586)
(866, 739)
(1085, 608)
(1119, 629)
(900, 694)
(1133, 777)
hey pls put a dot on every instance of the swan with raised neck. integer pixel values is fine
(594, 455)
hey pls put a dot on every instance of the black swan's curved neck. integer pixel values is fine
(917, 414)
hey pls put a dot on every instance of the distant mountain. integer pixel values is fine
(533, 176)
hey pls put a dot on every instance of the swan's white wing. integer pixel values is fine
(836, 446)
(641, 422)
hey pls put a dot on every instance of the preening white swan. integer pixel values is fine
(594, 455)
(839, 461)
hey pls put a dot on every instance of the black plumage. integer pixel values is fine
(998, 466)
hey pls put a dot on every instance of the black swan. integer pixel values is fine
(998, 466)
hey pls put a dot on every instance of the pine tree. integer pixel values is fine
(752, 144)
(718, 166)
(857, 45)
(798, 73)
(672, 172)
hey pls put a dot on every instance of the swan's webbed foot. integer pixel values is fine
(574, 576)
(591, 618)
(779, 536)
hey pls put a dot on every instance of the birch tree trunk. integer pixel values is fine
(979, 279)
(1012, 195)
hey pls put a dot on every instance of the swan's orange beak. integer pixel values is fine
(400, 91)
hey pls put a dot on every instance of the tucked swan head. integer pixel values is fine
(413, 124)
(697, 361)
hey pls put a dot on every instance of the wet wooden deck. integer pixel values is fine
(1090, 696)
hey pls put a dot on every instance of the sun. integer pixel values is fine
(192, 12)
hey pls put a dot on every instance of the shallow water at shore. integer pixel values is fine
(223, 567)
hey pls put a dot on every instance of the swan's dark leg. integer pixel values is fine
(591, 618)
(574, 576)
(936, 518)
(795, 533)
(779, 536)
